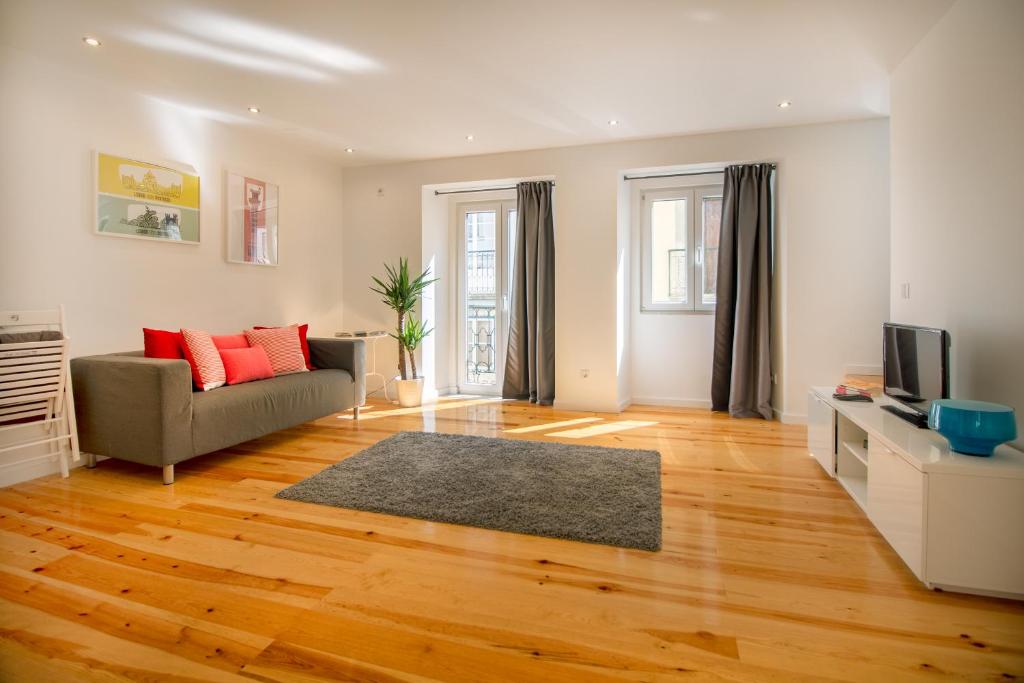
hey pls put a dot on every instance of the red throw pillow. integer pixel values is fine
(202, 355)
(303, 331)
(230, 341)
(162, 343)
(246, 365)
(282, 347)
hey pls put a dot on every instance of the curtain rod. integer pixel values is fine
(712, 171)
(628, 177)
(478, 189)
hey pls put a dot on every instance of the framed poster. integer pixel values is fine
(139, 199)
(252, 207)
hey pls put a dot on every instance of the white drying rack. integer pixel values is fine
(35, 387)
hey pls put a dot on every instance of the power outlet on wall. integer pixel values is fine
(905, 290)
(584, 373)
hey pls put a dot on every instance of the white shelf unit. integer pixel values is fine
(852, 459)
(957, 521)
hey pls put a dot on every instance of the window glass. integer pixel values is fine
(711, 225)
(668, 251)
(513, 215)
(481, 296)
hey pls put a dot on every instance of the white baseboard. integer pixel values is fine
(586, 406)
(863, 369)
(33, 467)
(672, 402)
(790, 418)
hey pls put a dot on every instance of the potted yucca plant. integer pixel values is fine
(400, 292)
(410, 391)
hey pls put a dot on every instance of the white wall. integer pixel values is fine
(957, 184)
(50, 124)
(833, 246)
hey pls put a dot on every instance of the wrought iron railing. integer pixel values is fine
(482, 276)
(480, 344)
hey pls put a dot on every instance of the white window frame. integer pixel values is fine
(700, 194)
(695, 261)
(502, 209)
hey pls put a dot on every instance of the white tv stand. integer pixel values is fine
(957, 521)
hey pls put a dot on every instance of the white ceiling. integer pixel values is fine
(408, 79)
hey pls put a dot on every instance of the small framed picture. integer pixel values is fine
(252, 211)
(147, 201)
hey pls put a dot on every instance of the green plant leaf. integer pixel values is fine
(397, 290)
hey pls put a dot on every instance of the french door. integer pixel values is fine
(486, 239)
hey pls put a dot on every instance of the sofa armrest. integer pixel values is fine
(342, 354)
(134, 408)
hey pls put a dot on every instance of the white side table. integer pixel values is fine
(371, 340)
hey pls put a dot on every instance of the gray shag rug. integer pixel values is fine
(582, 493)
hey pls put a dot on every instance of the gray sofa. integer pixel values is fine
(144, 409)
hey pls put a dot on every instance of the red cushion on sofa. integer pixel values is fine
(303, 331)
(246, 365)
(162, 343)
(230, 341)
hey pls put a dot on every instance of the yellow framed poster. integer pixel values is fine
(149, 201)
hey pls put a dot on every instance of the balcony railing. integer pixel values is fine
(480, 344)
(481, 309)
(481, 274)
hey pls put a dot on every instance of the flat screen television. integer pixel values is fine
(915, 366)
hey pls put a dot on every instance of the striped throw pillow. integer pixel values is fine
(203, 356)
(282, 346)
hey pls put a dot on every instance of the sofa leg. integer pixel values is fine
(90, 460)
(168, 474)
(355, 412)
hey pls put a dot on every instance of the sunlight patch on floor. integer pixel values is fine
(551, 425)
(598, 430)
(382, 411)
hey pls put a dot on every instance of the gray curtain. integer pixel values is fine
(741, 374)
(530, 362)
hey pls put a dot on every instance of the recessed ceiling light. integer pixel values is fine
(469, 138)
(91, 42)
(254, 110)
(350, 150)
(613, 122)
(785, 104)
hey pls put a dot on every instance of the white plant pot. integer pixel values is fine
(410, 392)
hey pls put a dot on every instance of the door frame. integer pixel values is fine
(501, 208)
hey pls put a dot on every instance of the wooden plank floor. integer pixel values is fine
(769, 572)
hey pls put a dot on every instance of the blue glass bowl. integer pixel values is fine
(973, 427)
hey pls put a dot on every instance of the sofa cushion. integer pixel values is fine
(242, 412)
(230, 341)
(162, 344)
(303, 341)
(246, 365)
(202, 355)
(282, 346)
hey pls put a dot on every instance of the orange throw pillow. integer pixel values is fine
(230, 341)
(246, 365)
